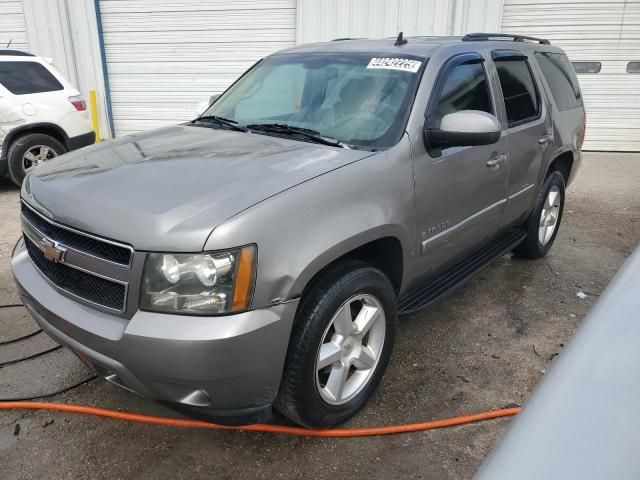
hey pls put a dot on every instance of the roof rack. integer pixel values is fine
(15, 53)
(475, 37)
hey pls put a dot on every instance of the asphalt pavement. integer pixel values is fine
(483, 347)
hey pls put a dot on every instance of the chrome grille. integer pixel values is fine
(86, 267)
(84, 285)
(104, 249)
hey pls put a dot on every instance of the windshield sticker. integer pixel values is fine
(402, 64)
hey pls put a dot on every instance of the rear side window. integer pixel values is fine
(465, 88)
(21, 78)
(560, 76)
(521, 99)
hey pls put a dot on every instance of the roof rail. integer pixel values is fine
(475, 37)
(15, 53)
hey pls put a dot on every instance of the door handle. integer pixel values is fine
(494, 162)
(545, 139)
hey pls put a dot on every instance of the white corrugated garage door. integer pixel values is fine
(593, 31)
(164, 57)
(12, 27)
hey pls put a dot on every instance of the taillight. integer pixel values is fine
(78, 102)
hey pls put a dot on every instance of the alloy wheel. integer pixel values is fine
(350, 349)
(37, 155)
(549, 215)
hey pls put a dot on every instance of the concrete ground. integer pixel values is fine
(484, 347)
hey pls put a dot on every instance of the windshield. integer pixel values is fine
(362, 100)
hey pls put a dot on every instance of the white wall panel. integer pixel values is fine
(599, 31)
(12, 29)
(163, 58)
(325, 20)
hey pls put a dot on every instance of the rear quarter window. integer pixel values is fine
(22, 78)
(521, 100)
(561, 78)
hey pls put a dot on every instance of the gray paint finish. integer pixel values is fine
(166, 189)
(237, 359)
(583, 420)
(304, 205)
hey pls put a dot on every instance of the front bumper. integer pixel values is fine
(224, 368)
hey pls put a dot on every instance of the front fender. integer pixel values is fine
(302, 230)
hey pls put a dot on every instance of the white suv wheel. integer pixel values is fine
(37, 155)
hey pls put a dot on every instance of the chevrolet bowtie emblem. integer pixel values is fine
(51, 250)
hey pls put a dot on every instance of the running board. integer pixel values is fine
(427, 293)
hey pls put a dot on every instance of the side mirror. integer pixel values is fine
(464, 129)
(202, 106)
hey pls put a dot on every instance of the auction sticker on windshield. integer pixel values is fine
(402, 64)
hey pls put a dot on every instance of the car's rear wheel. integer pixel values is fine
(340, 346)
(543, 223)
(29, 151)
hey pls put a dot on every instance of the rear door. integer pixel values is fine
(459, 197)
(529, 133)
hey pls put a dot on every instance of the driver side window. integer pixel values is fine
(465, 88)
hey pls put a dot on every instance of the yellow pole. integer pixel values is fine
(93, 103)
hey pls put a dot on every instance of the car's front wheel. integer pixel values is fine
(29, 151)
(340, 346)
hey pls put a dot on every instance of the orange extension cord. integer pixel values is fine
(258, 427)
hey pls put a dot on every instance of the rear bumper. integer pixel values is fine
(80, 141)
(226, 368)
(575, 167)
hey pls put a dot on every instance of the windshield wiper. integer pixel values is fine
(222, 121)
(283, 128)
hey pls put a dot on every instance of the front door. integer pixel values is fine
(460, 191)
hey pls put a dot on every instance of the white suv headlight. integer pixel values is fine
(199, 284)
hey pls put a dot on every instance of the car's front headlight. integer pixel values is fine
(199, 284)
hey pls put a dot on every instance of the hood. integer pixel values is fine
(167, 189)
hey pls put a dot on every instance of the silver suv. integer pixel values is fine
(260, 255)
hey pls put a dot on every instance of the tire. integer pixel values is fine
(536, 245)
(302, 397)
(22, 145)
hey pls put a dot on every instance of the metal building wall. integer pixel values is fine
(12, 29)
(596, 31)
(328, 19)
(164, 58)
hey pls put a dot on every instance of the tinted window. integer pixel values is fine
(21, 78)
(358, 98)
(519, 91)
(464, 88)
(561, 78)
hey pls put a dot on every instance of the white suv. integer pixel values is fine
(41, 114)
